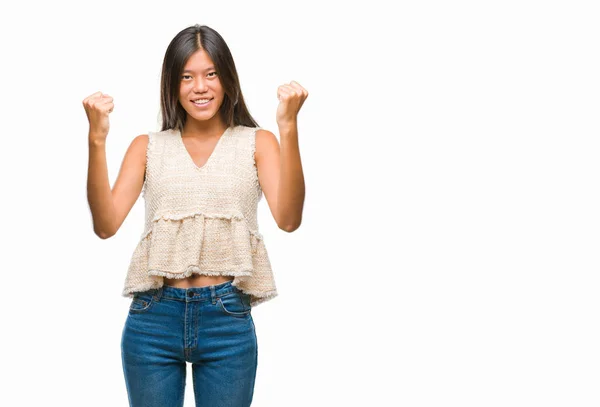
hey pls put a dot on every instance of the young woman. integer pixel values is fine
(201, 263)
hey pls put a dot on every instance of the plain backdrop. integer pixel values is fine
(448, 254)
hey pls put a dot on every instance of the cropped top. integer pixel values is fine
(202, 220)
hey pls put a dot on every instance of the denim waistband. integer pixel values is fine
(210, 292)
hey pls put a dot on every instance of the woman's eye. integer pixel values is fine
(215, 74)
(186, 76)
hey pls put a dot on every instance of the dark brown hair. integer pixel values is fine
(233, 110)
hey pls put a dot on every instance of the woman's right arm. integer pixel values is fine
(110, 207)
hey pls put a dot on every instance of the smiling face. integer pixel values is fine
(200, 90)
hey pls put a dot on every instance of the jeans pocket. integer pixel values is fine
(236, 304)
(141, 302)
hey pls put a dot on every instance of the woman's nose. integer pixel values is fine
(200, 86)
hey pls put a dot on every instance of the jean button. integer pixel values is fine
(190, 293)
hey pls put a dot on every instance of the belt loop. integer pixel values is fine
(213, 295)
(158, 294)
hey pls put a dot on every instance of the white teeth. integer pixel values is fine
(201, 101)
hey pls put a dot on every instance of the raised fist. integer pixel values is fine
(97, 108)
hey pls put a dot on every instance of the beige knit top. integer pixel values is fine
(202, 220)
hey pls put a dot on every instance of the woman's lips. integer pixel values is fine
(202, 104)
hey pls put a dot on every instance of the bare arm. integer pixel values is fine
(280, 176)
(291, 189)
(99, 194)
(279, 168)
(110, 207)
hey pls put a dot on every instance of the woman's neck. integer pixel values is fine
(203, 129)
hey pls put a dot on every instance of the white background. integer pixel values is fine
(448, 254)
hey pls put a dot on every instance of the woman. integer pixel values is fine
(201, 263)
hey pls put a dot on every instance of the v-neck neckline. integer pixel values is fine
(191, 159)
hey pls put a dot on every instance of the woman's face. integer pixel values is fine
(199, 83)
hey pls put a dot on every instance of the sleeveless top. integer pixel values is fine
(202, 220)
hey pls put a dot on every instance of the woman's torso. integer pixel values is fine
(201, 225)
(199, 152)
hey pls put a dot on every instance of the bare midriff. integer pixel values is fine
(196, 280)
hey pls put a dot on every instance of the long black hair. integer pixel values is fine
(233, 110)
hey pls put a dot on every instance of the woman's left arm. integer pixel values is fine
(280, 168)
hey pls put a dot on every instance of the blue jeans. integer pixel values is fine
(210, 327)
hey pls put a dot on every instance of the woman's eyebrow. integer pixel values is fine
(192, 71)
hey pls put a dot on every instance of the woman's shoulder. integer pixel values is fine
(256, 132)
(162, 133)
(243, 129)
(159, 138)
(259, 138)
(146, 141)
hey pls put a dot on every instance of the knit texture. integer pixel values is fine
(202, 220)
